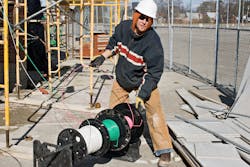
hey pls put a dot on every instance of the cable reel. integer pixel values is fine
(134, 119)
(105, 136)
(111, 130)
(73, 137)
(124, 130)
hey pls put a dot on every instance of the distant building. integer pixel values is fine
(211, 15)
(195, 16)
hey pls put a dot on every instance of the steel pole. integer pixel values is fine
(217, 41)
(228, 2)
(237, 50)
(190, 39)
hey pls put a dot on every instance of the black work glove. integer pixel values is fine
(97, 61)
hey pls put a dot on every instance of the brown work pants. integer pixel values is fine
(155, 117)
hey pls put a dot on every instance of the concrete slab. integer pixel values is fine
(194, 134)
(193, 101)
(214, 154)
(69, 109)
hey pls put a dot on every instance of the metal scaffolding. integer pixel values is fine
(21, 39)
(53, 19)
(5, 85)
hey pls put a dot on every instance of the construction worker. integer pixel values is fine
(139, 67)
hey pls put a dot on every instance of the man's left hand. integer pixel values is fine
(97, 61)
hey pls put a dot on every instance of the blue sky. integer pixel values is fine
(195, 3)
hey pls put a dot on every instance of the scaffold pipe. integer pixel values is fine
(37, 13)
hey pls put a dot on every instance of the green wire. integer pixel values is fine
(113, 130)
(39, 72)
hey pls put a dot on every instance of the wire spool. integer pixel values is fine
(132, 114)
(92, 137)
(125, 133)
(130, 121)
(74, 138)
(105, 136)
(113, 129)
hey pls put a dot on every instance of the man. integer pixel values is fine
(139, 67)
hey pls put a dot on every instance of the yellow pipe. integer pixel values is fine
(25, 33)
(81, 32)
(18, 59)
(58, 40)
(89, 4)
(6, 71)
(125, 9)
(17, 50)
(91, 48)
(118, 11)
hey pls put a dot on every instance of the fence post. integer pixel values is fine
(217, 41)
(237, 50)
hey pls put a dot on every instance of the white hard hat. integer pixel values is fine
(147, 7)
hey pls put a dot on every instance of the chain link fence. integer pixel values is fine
(206, 39)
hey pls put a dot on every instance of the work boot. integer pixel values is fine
(165, 160)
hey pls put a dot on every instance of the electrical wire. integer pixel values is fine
(92, 137)
(19, 163)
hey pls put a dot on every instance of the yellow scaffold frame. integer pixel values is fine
(18, 6)
(57, 23)
(49, 22)
(5, 86)
(81, 4)
(92, 4)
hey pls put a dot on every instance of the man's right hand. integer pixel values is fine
(139, 103)
(97, 61)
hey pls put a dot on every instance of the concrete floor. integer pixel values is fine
(68, 110)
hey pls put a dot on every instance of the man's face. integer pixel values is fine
(142, 23)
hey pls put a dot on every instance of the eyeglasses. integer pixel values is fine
(142, 17)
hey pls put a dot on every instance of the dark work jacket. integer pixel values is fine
(141, 59)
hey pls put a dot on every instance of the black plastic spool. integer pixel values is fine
(125, 132)
(137, 130)
(105, 136)
(79, 148)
